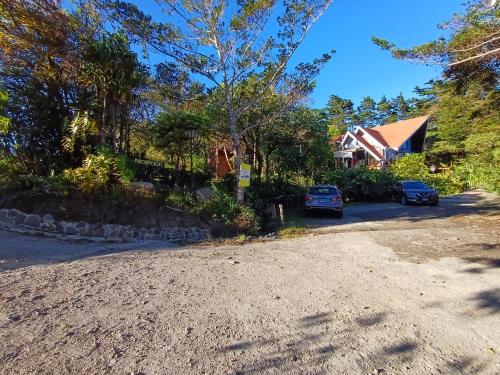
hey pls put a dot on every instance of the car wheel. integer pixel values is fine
(307, 213)
(404, 201)
(435, 203)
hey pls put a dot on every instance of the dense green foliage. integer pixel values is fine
(101, 171)
(4, 121)
(465, 104)
(361, 183)
(343, 115)
(77, 105)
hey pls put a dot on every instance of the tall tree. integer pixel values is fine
(367, 112)
(37, 64)
(173, 134)
(113, 71)
(174, 88)
(401, 107)
(465, 103)
(385, 111)
(471, 47)
(227, 42)
(341, 116)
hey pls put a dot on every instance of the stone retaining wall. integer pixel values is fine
(46, 223)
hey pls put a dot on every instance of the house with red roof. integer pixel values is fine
(376, 147)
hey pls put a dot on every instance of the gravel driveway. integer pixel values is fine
(404, 294)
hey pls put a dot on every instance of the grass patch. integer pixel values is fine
(292, 231)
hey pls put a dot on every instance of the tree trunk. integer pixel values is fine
(113, 125)
(102, 130)
(233, 128)
(258, 154)
(267, 166)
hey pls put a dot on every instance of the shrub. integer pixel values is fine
(101, 171)
(224, 207)
(413, 167)
(10, 170)
(410, 167)
(182, 198)
(479, 175)
(361, 183)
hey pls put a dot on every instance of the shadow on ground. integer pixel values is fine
(318, 344)
(18, 251)
(488, 301)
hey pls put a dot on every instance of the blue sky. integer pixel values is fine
(360, 68)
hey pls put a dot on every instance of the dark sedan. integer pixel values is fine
(415, 192)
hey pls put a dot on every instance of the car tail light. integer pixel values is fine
(337, 198)
(308, 197)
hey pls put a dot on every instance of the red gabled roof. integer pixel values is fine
(367, 146)
(377, 136)
(395, 134)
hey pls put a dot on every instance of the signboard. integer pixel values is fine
(150, 163)
(343, 154)
(245, 175)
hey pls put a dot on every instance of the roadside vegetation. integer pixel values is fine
(78, 106)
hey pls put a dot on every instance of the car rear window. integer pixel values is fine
(415, 185)
(323, 191)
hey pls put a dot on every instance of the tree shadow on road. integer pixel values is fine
(318, 344)
(305, 347)
(488, 300)
(23, 251)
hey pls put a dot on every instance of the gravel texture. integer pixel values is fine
(351, 300)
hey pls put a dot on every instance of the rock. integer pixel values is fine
(4, 216)
(204, 194)
(70, 229)
(98, 230)
(15, 317)
(84, 228)
(32, 221)
(58, 227)
(13, 213)
(142, 186)
(19, 219)
(48, 219)
(114, 231)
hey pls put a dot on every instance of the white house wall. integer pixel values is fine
(371, 140)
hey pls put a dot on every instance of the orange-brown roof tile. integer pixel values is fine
(395, 134)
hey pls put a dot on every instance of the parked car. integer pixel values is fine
(414, 191)
(323, 198)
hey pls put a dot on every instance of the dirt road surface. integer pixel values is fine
(388, 290)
